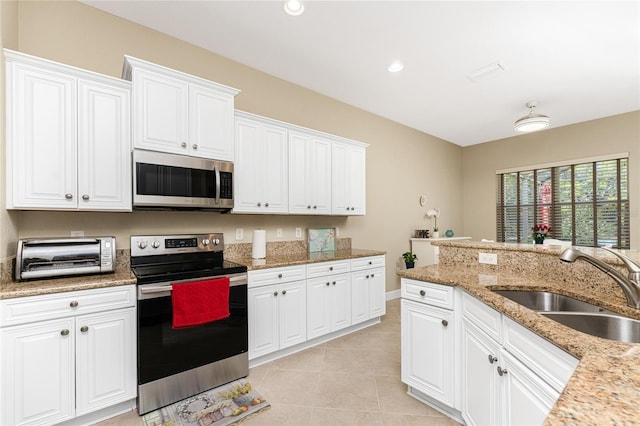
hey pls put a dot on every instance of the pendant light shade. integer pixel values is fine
(533, 121)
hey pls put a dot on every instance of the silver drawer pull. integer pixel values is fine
(492, 359)
(445, 323)
(284, 292)
(84, 328)
(68, 196)
(422, 293)
(275, 293)
(64, 332)
(73, 304)
(502, 371)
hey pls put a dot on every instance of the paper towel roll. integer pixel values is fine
(259, 249)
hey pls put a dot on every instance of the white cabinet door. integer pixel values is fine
(360, 296)
(318, 307)
(264, 335)
(527, 398)
(340, 301)
(292, 307)
(377, 293)
(348, 179)
(481, 389)
(160, 112)
(41, 138)
(104, 152)
(210, 123)
(260, 168)
(38, 373)
(428, 350)
(106, 359)
(309, 174)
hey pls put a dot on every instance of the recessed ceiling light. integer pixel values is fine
(293, 7)
(396, 66)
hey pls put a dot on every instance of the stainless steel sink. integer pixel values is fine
(609, 326)
(545, 301)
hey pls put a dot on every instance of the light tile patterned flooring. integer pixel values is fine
(352, 380)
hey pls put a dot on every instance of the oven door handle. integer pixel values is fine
(240, 279)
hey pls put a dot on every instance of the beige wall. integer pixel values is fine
(611, 135)
(401, 163)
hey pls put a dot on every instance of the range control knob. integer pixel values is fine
(205, 242)
(142, 245)
(216, 241)
(155, 244)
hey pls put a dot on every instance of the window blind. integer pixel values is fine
(585, 203)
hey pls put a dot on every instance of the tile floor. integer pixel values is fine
(352, 380)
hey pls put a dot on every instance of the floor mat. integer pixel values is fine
(225, 405)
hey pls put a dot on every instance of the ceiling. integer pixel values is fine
(580, 60)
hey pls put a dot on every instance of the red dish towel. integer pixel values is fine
(200, 302)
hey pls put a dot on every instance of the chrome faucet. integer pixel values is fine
(630, 284)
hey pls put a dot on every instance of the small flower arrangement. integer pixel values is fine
(434, 213)
(541, 231)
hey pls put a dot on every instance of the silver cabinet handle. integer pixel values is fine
(266, 204)
(328, 284)
(275, 293)
(183, 144)
(194, 146)
(445, 323)
(422, 293)
(284, 292)
(331, 268)
(492, 359)
(353, 208)
(279, 275)
(315, 207)
(502, 371)
(308, 207)
(373, 275)
(73, 304)
(370, 263)
(367, 276)
(68, 196)
(334, 283)
(64, 332)
(85, 197)
(259, 204)
(84, 328)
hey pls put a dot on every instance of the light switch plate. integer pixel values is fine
(488, 258)
(279, 232)
(239, 234)
(298, 232)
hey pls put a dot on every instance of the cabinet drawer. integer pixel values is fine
(544, 358)
(367, 262)
(482, 316)
(327, 268)
(269, 276)
(35, 308)
(430, 293)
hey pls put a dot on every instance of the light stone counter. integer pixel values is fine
(290, 259)
(605, 387)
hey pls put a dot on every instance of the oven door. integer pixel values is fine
(164, 351)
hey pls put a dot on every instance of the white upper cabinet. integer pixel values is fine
(179, 113)
(309, 174)
(348, 189)
(68, 137)
(261, 176)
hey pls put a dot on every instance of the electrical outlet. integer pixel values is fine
(488, 258)
(239, 234)
(77, 233)
(298, 232)
(279, 232)
(337, 232)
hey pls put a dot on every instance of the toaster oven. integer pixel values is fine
(39, 258)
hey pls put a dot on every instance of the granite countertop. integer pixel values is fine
(123, 275)
(303, 258)
(605, 387)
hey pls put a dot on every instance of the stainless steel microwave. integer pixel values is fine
(169, 181)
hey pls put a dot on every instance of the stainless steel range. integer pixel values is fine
(176, 363)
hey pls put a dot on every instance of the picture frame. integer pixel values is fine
(321, 239)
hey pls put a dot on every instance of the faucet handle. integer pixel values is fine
(632, 267)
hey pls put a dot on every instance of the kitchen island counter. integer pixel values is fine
(605, 387)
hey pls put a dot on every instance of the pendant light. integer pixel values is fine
(533, 121)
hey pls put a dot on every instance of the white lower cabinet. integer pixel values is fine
(71, 365)
(277, 312)
(295, 307)
(510, 375)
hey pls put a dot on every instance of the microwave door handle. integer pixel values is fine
(217, 172)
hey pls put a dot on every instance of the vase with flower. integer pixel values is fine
(434, 213)
(540, 232)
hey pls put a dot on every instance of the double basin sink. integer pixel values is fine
(576, 314)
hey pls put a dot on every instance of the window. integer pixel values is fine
(586, 203)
